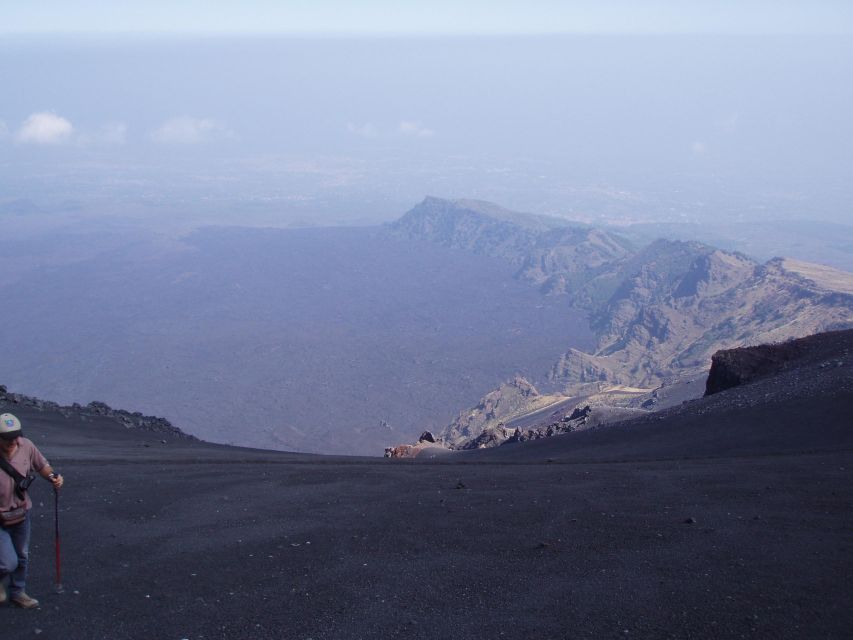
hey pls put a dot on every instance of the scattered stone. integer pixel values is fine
(690, 521)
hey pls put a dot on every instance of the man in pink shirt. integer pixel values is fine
(19, 460)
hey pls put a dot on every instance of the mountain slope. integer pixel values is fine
(658, 328)
(553, 254)
(659, 313)
(726, 517)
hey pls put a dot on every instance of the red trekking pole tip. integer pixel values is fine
(57, 584)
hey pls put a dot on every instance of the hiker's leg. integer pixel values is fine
(20, 535)
(8, 556)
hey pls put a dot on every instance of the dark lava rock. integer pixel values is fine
(579, 414)
(735, 367)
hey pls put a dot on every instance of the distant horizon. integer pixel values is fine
(343, 34)
(439, 17)
(118, 36)
(727, 134)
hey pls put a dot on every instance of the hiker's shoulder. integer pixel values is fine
(28, 445)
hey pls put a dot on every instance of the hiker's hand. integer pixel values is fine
(57, 481)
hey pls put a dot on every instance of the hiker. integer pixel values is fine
(19, 462)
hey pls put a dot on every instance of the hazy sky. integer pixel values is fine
(435, 16)
(603, 111)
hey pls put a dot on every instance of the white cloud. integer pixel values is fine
(45, 128)
(366, 130)
(112, 133)
(698, 148)
(415, 129)
(186, 130)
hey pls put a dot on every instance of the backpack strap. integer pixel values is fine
(22, 482)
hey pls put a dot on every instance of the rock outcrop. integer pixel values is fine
(127, 419)
(736, 367)
(581, 418)
(426, 444)
(496, 408)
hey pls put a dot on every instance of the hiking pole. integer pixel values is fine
(57, 585)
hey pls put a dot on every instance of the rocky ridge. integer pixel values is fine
(659, 313)
(127, 419)
(555, 255)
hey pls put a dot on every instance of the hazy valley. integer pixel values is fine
(329, 340)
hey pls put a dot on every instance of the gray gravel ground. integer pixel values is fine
(374, 550)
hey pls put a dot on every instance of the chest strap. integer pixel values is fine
(22, 482)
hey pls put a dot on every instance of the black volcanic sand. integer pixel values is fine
(588, 535)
